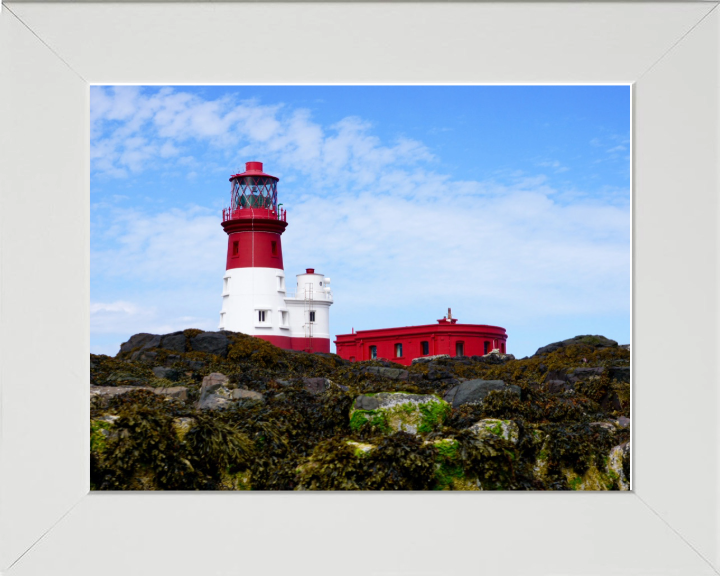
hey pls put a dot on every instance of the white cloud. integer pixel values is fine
(154, 128)
(177, 245)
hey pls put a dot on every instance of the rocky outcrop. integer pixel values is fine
(142, 340)
(475, 391)
(211, 343)
(588, 340)
(281, 420)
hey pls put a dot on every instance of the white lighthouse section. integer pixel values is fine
(309, 306)
(254, 302)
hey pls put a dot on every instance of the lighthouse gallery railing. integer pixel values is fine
(242, 213)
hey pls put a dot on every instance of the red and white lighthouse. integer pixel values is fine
(255, 300)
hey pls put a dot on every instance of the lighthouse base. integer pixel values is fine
(303, 344)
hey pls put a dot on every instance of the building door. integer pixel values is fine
(459, 349)
(373, 352)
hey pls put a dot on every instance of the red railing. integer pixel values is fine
(242, 213)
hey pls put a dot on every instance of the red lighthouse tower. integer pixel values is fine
(255, 300)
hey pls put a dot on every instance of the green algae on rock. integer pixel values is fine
(399, 412)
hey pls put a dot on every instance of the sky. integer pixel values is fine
(509, 204)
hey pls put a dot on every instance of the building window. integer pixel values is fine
(373, 352)
(459, 349)
(320, 283)
(281, 283)
(424, 348)
(486, 349)
(226, 284)
(283, 318)
(398, 350)
(261, 316)
(235, 248)
(274, 248)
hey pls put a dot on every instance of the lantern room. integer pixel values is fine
(253, 195)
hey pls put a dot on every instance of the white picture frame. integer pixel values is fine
(49, 523)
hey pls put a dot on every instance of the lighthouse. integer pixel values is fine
(255, 299)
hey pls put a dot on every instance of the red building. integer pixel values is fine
(401, 345)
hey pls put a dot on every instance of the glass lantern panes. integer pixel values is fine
(254, 192)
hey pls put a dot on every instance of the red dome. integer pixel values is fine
(254, 169)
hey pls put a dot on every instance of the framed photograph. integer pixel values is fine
(53, 53)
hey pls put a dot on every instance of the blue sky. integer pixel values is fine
(510, 204)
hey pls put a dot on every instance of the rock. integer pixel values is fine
(622, 422)
(495, 357)
(610, 402)
(435, 374)
(214, 402)
(214, 393)
(625, 347)
(582, 374)
(609, 426)
(167, 373)
(592, 479)
(174, 341)
(475, 391)
(242, 394)
(179, 392)
(495, 428)
(143, 355)
(109, 418)
(213, 381)
(210, 343)
(555, 386)
(283, 382)
(390, 373)
(426, 359)
(139, 341)
(126, 379)
(450, 473)
(619, 465)
(588, 340)
(316, 385)
(619, 373)
(194, 364)
(360, 447)
(399, 412)
(557, 375)
(170, 359)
